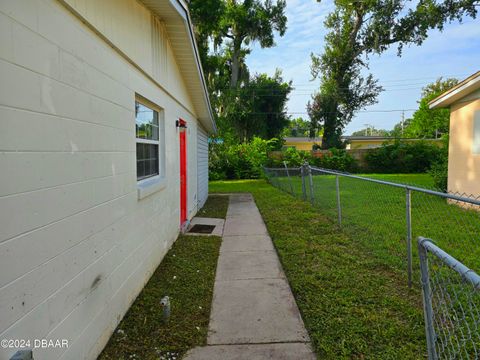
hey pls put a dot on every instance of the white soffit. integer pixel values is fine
(180, 33)
(456, 93)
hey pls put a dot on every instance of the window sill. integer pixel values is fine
(149, 186)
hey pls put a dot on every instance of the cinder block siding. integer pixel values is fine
(76, 246)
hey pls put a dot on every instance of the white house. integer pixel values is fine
(104, 117)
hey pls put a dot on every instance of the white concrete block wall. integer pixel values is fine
(76, 245)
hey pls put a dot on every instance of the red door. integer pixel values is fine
(183, 172)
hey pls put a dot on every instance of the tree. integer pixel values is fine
(426, 122)
(359, 28)
(343, 89)
(244, 22)
(334, 106)
(371, 131)
(224, 29)
(206, 16)
(298, 127)
(399, 129)
(260, 109)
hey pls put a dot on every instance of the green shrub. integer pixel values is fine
(294, 157)
(239, 161)
(439, 169)
(246, 161)
(217, 164)
(439, 173)
(291, 156)
(404, 158)
(336, 159)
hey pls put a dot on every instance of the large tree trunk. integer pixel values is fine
(331, 132)
(235, 66)
(329, 136)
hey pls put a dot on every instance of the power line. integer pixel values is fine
(274, 89)
(402, 80)
(304, 112)
(270, 93)
(388, 86)
(369, 111)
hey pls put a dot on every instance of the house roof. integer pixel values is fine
(367, 138)
(180, 32)
(459, 91)
(302, 139)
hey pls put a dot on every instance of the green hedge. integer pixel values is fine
(403, 158)
(246, 161)
(335, 159)
(239, 161)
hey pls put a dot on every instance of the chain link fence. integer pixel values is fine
(385, 217)
(451, 304)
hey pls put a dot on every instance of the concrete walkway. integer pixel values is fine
(254, 315)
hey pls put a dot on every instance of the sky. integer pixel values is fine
(455, 52)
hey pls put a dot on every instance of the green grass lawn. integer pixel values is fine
(186, 275)
(375, 215)
(355, 303)
(420, 180)
(215, 207)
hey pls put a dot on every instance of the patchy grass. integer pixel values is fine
(215, 207)
(186, 275)
(355, 304)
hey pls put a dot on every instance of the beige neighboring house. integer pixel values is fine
(302, 143)
(464, 147)
(104, 118)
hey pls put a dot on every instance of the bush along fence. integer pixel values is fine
(385, 217)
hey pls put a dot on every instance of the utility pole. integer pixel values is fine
(403, 120)
(368, 127)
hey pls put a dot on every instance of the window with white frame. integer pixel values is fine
(148, 127)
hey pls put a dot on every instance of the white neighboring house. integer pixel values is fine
(104, 117)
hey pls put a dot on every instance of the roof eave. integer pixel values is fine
(459, 91)
(199, 64)
(205, 113)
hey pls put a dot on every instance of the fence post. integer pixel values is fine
(304, 187)
(310, 178)
(408, 207)
(339, 207)
(427, 300)
(289, 178)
